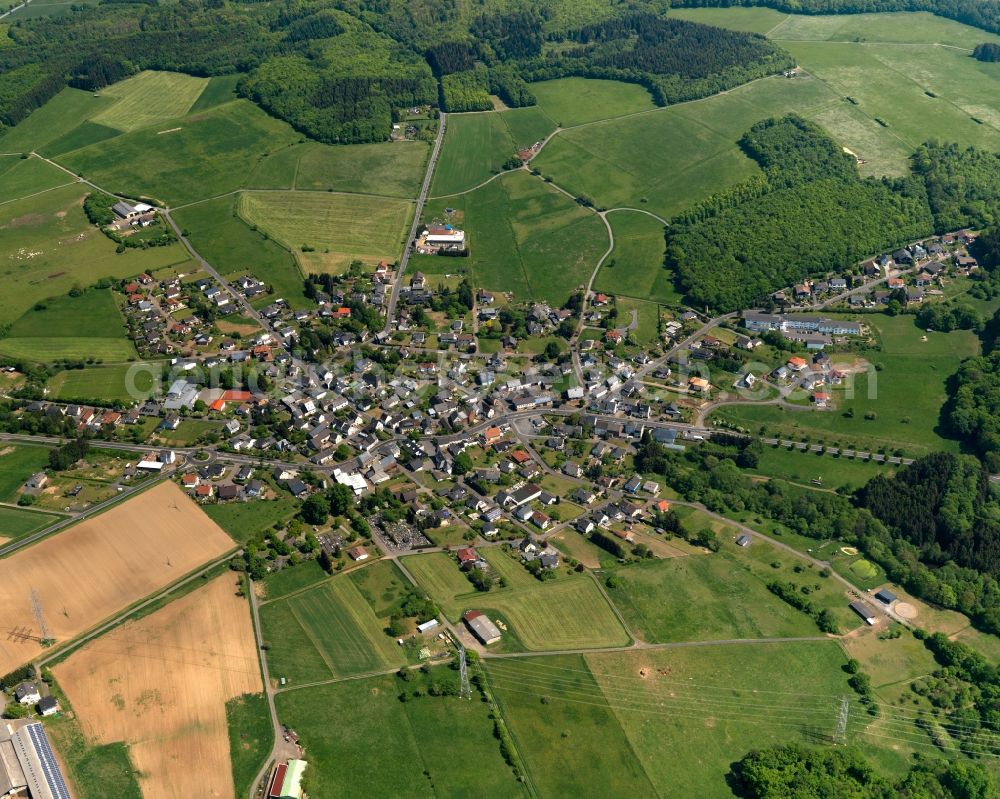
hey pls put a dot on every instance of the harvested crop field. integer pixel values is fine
(103, 565)
(160, 685)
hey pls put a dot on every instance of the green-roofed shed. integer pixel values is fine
(291, 786)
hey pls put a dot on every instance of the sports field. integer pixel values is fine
(184, 159)
(664, 723)
(903, 394)
(635, 266)
(432, 747)
(88, 326)
(328, 631)
(393, 169)
(161, 684)
(524, 237)
(340, 228)
(49, 247)
(227, 242)
(20, 177)
(103, 565)
(129, 383)
(148, 99)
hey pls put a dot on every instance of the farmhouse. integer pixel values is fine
(481, 627)
(48, 706)
(27, 693)
(863, 611)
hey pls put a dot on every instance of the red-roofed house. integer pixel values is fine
(467, 558)
(492, 435)
(520, 456)
(797, 364)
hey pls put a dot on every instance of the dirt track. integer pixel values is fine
(161, 683)
(101, 566)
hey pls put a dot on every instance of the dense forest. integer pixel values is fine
(791, 770)
(811, 213)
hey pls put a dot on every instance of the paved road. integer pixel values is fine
(282, 749)
(417, 214)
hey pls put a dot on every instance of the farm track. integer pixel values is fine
(287, 191)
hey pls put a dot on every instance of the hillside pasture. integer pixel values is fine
(340, 228)
(20, 177)
(58, 118)
(674, 157)
(475, 147)
(104, 564)
(635, 266)
(50, 247)
(576, 101)
(393, 169)
(327, 631)
(524, 237)
(161, 683)
(149, 98)
(431, 747)
(526, 126)
(88, 326)
(185, 159)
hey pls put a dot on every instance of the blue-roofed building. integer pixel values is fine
(41, 772)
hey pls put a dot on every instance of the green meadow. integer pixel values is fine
(16, 523)
(393, 169)
(187, 158)
(635, 266)
(436, 747)
(327, 631)
(524, 237)
(218, 233)
(124, 382)
(50, 247)
(340, 228)
(148, 99)
(59, 118)
(20, 177)
(88, 326)
(803, 467)
(576, 101)
(17, 463)
(663, 723)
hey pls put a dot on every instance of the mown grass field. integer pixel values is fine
(576, 615)
(20, 177)
(528, 125)
(210, 153)
(664, 723)
(149, 98)
(904, 394)
(227, 242)
(438, 574)
(637, 271)
(340, 228)
(575, 101)
(88, 326)
(644, 314)
(132, 382)
(293, 578)
(524, 237)
(328, 631)
(49, 247)
(433, 747)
